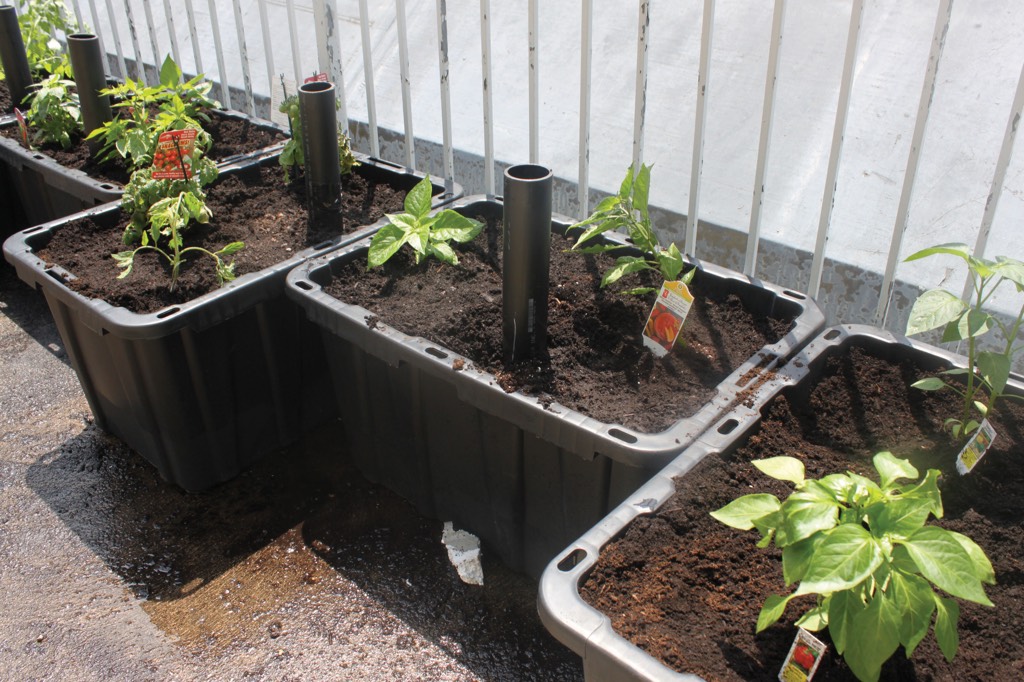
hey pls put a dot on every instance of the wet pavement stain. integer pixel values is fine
(299, 568)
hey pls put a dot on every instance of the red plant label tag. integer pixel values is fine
(22, 127)
(173, 157)
(667, 316)
(803, 658)
(976, 447)
(316, 78)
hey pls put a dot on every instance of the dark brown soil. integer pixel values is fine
(254, 207)
(688, 589)
(596, 361)
(231, 136)
(6, 105)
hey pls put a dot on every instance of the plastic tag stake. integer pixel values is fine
(803, 658)
(173, 157)
(667, 316)
(976, 448)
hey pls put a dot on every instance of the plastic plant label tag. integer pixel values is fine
(173, 157)
(316, 78)
(464, 553)
(22, 128)
(667, 316)
(803, 658)
(976, 447)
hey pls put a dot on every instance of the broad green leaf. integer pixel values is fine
(944, 561)
(864, 489)
(638, 291)
(626, 188)
(814, 620)
(929, 384)
(782, 468)
(452, 226)
(840, 485)
(947, 613)
(641, 189)
(1010, 268)
(741, 512)
(232, 248)
(914, 599)
(774, 607)
(953, 249)
(443, 252)
(972, 323)
(386, 243)
(594, 230)
(846, 557)
(805, 513)
(873, 637)
(797, 557)
(934, 308)
(892, 468)
(843, 607)
(623, 266)
(670, 264)
(927, 489)
(606, 204)
(982, 566)
(900, 517)
(417, 201)
(418, 238)
(597, 248)
(994, 369)
(170, 74)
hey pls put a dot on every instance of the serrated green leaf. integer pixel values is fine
(891, 468)
(741, 512)
(934, 308)
(417, 201)
(944, 561)
(915, 602)
(781, 468)
(774, 607)
(843, 608)
(846, 557)
(994, 369)
(982, 566)
(947, 613)
(872, 639)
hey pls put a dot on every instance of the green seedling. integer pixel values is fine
(864, 550)
(54, 114)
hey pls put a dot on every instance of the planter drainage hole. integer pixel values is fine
(728, 426)
(622, 435)
(107, 186)
(304, 285)
(793, 294)
(167, 313)
(831, 334)
(572, 560)
(437, 353)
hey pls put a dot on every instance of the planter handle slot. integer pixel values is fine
(831, 334)
(440, 355)
(794, 294)
(164, 314)
(572, 560)
(304, 285)
(622, 435)
(728, 426)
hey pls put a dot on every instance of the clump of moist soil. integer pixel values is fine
(688, 589)
(255, 207)
(231, 136)
(596, 361)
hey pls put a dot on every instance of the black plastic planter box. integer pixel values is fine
(204, 388)
(607, 656)
(47, 190)
(524, 476)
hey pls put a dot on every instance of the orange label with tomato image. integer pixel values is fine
(667, 316)
(172, 159)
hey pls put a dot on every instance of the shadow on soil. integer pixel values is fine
(166, 543)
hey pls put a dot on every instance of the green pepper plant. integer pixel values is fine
(628, 211)
(427, 235)
(39, 21)
(864, 549)
(54, 114)
(161, 211)
(987, 372)
(293, 157)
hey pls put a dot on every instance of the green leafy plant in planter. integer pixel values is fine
(429, 236)
(966, 321)
(863, 548)
(39, 21)
(54, 114)
(628, 212)
(146, 111)
(161, 211)
(292, 155)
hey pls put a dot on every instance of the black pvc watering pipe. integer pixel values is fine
(87, 64)
(319, 116)
(12, 55)
(527, 240)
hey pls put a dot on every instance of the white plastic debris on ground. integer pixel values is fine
(464, 553)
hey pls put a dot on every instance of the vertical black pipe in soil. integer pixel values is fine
(527, 239)
(12, 55)
(87, 64)
(319, 116)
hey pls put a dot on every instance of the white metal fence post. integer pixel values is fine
(696, 168)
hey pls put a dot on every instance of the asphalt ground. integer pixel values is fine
(298, 569)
